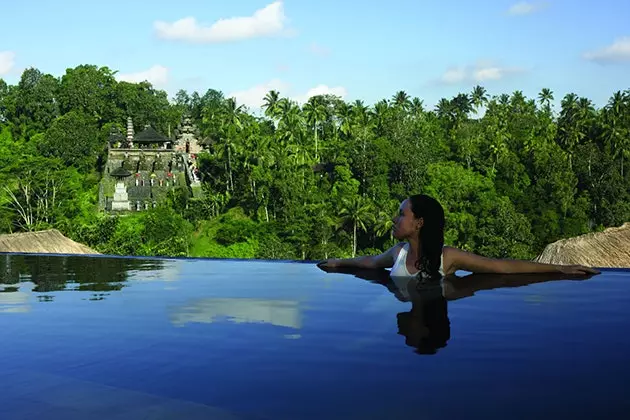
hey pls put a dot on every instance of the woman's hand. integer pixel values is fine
(576, 269)
(327, 265)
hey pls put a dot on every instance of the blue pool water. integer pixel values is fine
(123, 338)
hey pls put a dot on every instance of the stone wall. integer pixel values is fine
(154, 174)
(144, 160)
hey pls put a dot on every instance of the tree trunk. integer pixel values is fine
(354, 239)
(230, 169)
(227, 183)
(316, 156)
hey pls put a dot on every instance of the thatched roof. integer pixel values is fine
(115, 136)
(610, 248)
(42, 242)
(120, 172)
(149, 135)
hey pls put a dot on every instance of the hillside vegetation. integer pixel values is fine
(320, 179)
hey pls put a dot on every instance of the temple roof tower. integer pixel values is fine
(115, 136)
(187, 135)
(120, 173)
(130, 132)
(150, 135)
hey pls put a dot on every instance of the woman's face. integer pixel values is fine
(405, 223)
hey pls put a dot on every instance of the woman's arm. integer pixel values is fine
(384, 260)
(467, 261)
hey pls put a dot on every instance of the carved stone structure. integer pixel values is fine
(121, 198)
(130, 132)
(187, 134)
(141, 168)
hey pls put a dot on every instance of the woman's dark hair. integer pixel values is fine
(434, 317)
(431, 234)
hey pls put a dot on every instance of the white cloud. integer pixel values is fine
(156, 75)
(489, 73)
(483, 71)
(454, 75)
(616, 52)
(7, 61)
(319, 50)
(322, 90)
(268, 21)
(254, 97)
(526, 8)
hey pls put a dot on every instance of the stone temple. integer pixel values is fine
(142, 168)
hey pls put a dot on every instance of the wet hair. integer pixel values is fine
(431, 235)
(434, 317)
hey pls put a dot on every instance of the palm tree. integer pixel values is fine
(462, 103)
(357, 211)
(232, 125)
(381, 110)
(384, 224)
(417, 107)
(401, 99)
(271, 104)
(362, 123)
(616, 131)
(258, 161)
(314, 112)
(291, 125)
(478, 97)
(344, 114)
(518, 102)
(444, 109)
(545, 97)
(568, 128)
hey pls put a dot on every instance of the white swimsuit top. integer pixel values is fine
(401, 276)
(400, 265)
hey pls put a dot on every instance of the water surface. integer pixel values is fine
(128, 338)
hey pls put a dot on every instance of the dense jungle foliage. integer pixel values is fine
(321, 179)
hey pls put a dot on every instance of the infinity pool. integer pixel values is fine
(130, 338)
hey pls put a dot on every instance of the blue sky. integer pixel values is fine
(360, 50)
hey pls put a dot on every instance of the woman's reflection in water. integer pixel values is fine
(426, 326)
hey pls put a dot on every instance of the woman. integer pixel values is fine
(420, 224)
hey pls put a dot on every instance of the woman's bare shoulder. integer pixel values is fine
(400, 245)
(449, 256)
